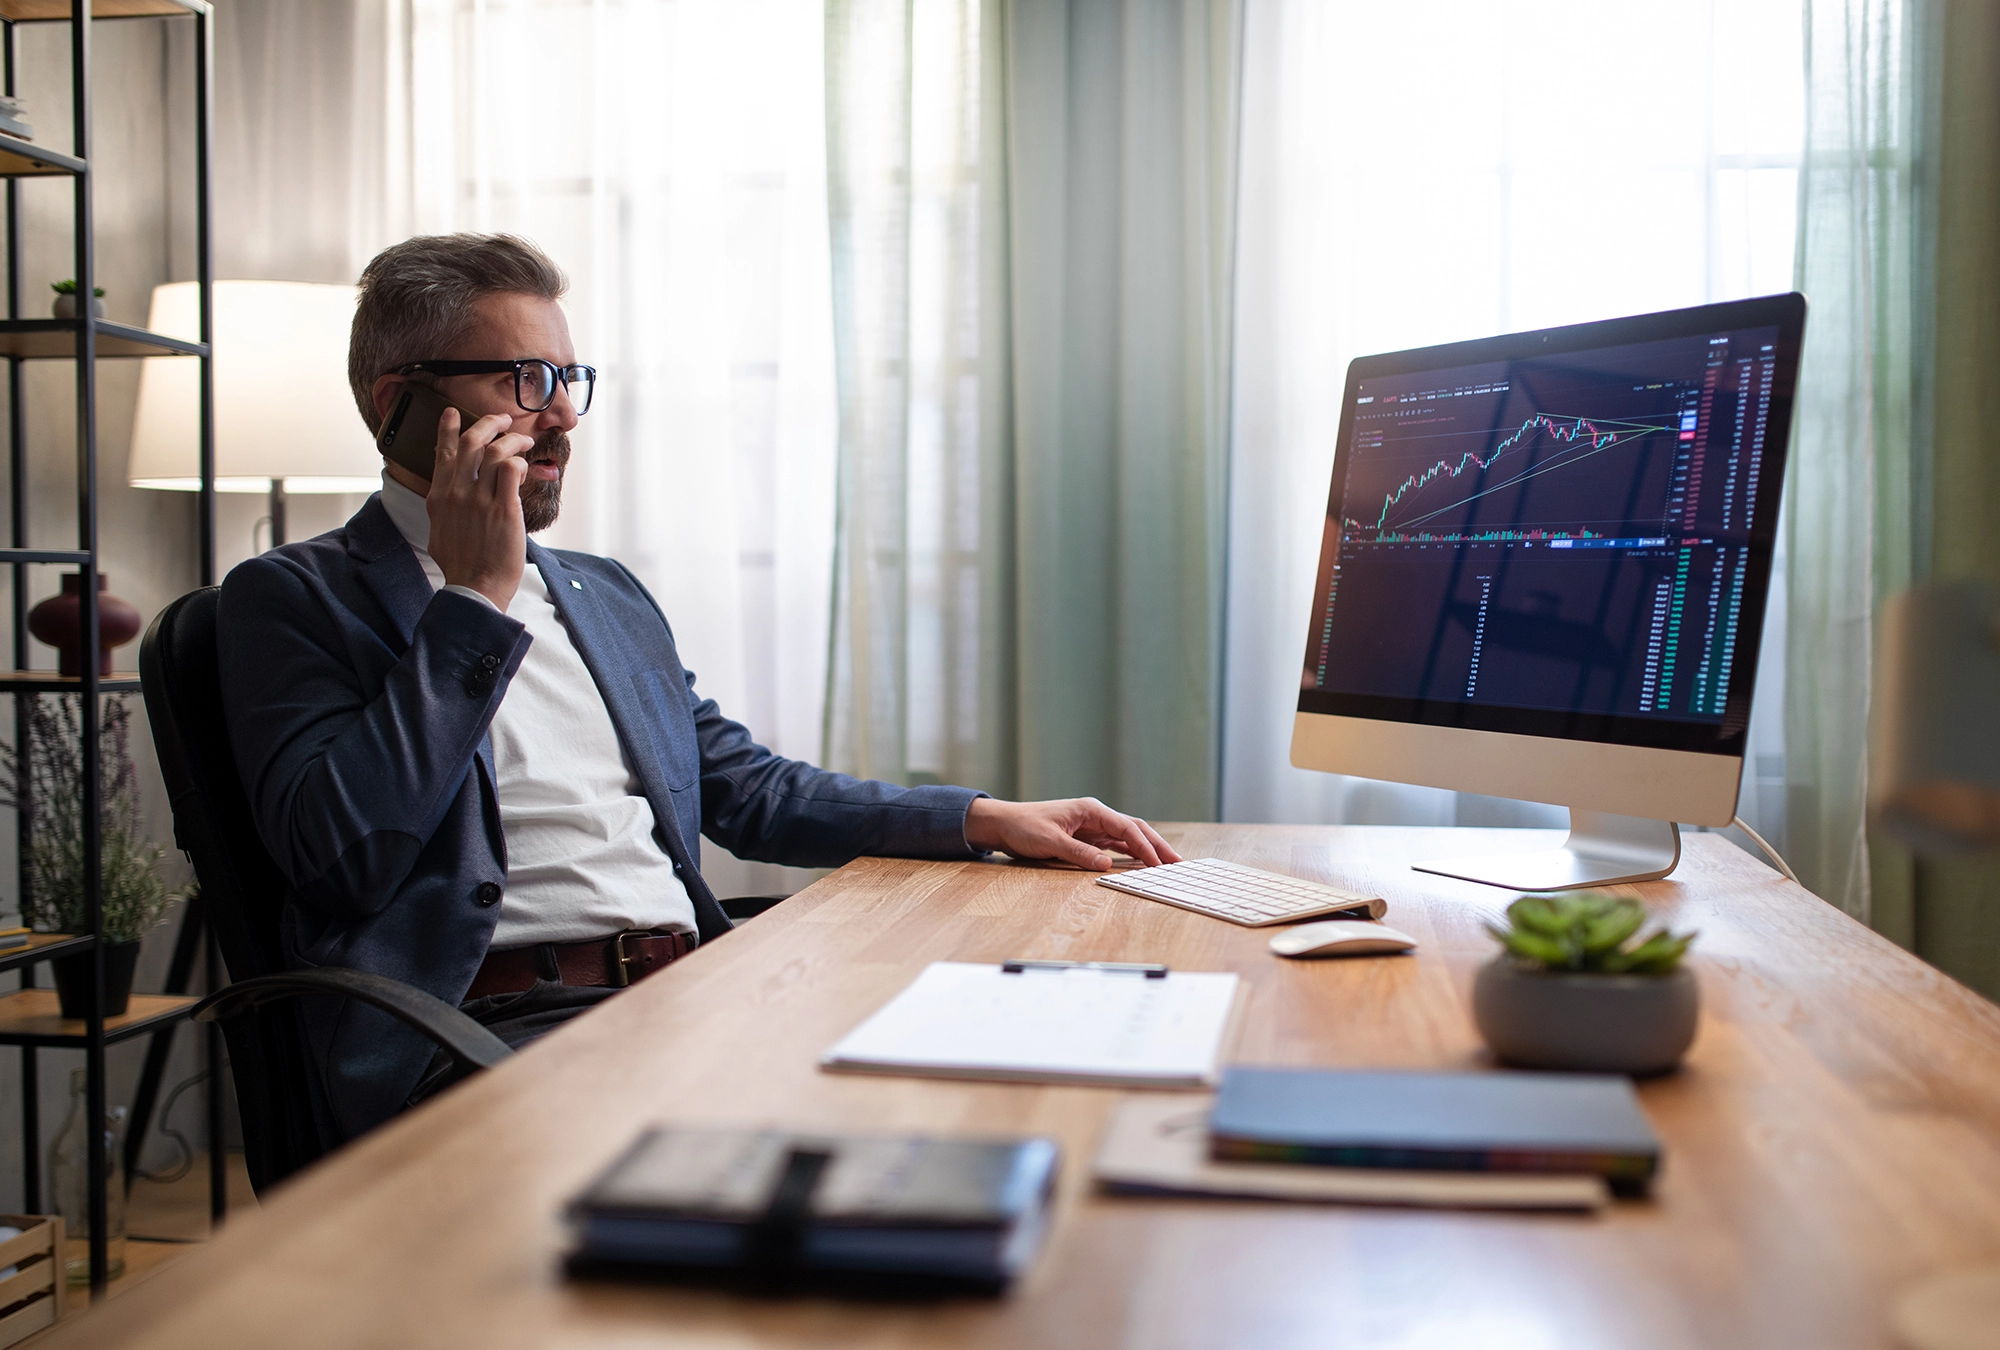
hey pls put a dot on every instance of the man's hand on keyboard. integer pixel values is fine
(1078, 831)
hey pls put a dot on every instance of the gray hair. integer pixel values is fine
(417, 300)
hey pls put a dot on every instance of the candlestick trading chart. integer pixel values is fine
(1576, 528)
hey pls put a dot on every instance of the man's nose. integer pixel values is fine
(560, 414)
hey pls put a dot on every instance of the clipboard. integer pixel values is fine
(1029, 1022)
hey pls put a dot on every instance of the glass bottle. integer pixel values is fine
(69, 1166)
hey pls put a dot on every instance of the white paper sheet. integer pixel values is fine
(1072, 1025)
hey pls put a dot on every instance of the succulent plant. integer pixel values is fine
(67, 286)
(1583, 931)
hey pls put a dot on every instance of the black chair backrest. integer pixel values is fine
(241, 887)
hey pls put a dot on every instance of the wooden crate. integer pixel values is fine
(35, 1295)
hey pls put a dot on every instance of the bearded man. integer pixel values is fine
(479, 762)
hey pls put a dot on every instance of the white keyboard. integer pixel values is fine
(1245, 895)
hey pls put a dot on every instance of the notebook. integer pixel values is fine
(1492, 1122)
(1067, 1025)
(1158, 1145)
(778, 1202)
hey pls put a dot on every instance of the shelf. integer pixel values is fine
(31, 1017)
(43, 555)
(25, 159)
(43, 682)
(50, 11)
(42, 946)
(58, 337)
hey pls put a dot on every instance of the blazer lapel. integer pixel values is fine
(389, 568)
(604, 655)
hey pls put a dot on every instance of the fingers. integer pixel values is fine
(503, 481)
(1073, 850)
(488, 443)
(1131, 835)
(1167, 852)
(447, 446)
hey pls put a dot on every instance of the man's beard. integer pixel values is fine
(541, 501)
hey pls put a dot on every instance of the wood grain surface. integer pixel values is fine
(1834, 1136)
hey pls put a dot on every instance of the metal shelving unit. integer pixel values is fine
(28, 1017)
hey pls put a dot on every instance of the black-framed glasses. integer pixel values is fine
(535, 380)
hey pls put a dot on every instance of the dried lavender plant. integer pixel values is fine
(135, 895)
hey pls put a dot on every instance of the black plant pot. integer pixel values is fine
(121, 960)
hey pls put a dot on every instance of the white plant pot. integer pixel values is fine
(65, 307)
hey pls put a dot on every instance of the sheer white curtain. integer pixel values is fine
(1446, 169)
(672, 158)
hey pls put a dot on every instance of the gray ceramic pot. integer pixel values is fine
(65, 306)
(1540, 1019)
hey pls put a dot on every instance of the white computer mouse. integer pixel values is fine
(1341, 937)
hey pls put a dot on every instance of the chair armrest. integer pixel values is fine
(444, 1025)
(740, 907)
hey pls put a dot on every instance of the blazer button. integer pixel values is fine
(490, 661)
(488, 893)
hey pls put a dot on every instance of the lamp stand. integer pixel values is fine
(277, 512)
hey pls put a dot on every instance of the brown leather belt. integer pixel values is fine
(613, 961)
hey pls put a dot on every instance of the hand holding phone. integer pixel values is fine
(477, 536)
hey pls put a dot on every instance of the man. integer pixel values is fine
(479, 762)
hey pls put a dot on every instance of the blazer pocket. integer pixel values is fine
(669, 723)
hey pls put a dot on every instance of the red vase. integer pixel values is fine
(58, 621)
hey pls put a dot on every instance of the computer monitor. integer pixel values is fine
(1543, 576)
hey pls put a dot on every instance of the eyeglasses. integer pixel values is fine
(535, 380)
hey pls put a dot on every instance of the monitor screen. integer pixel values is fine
(1566, 533)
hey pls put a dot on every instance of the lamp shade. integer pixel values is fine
(1934, 772)
(282, 406)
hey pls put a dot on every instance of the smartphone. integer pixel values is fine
(410, 432)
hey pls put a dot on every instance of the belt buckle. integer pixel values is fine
(622, 963)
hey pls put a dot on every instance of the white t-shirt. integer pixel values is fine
(582, 860)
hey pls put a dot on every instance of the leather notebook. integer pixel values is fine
(778, 1205)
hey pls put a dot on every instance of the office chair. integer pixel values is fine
(283, 1128)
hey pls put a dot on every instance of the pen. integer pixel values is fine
(1149, 970)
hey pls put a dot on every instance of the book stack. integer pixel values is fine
(1454, 1140)
(1559, 1123)
(780, 1208)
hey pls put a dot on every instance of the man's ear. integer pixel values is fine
(384, 393)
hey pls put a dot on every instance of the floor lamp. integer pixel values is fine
(1934, 784)
(285, 422)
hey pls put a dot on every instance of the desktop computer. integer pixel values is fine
(1543, 576)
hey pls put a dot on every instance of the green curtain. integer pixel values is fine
(1028, 589)
(1896, 469)
(1953, 919)
(1848, 499)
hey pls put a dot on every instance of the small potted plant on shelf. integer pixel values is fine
(49, 786)
(1575, 986)
(65, 305)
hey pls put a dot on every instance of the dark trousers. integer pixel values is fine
(515, 1019)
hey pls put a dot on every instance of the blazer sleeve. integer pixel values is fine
(350, 772)
(767, 808)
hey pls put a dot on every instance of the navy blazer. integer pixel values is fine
(358, 704)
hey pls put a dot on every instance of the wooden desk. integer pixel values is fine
(1835, 1134)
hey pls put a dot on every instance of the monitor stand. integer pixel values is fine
(1602, 850)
